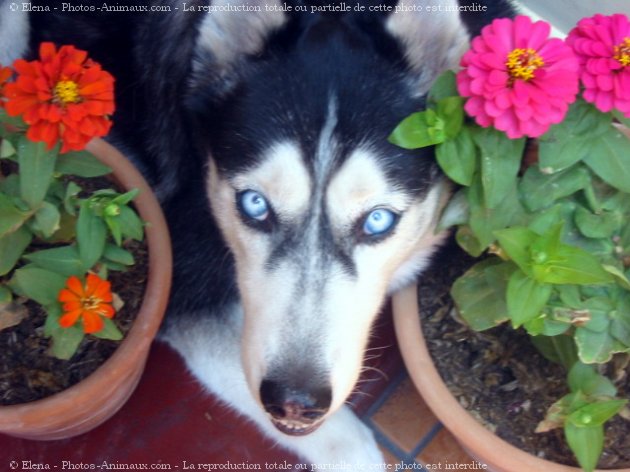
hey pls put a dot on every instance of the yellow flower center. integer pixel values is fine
(522, 63)
(91, 303)
(622, 52)
(66, 91)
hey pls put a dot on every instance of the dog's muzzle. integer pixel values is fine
(293, 411)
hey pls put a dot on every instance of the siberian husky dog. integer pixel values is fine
(265, 132)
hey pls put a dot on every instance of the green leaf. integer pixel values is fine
(444, 86)
(66, 341)
(570, 296)
(594, 347)
(560, 349)
(81, 164)
(480, 293)
(546, 326)
(542, 190)
(500, 162)
(114, 229)
(63, 260)
(37, 165)
(571, 265)
(15, 121)
(126, 197)
(603, 225)
(46, 220)
(451, 111)
(596, 413)
(6, 149)
(610, 159)
(418, 130)
(91, 235)
(41, 285)
(118, 255)
(69, 199)
(549, 261)
(110, 331)
(516, 242)
(558, 155)
(485, 221)
(51, 325)
(11, 217)
(458, 157)
(544, 220)
(525, 298)
(619, 276)
(5, 296)
(467, 240)
(620, 320)
(585, 378)
(130, 224)
(570, 141)
(115, 266)
(10, 186)
(12, 247)
(621, 118)
(586, 442)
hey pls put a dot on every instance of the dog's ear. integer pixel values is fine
(433, 37)
(14, 32)
(227, 37)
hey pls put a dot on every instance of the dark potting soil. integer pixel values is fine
(499, 377)
(28, 372)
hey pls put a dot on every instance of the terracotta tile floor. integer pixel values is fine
(171, 421)
(408, 432)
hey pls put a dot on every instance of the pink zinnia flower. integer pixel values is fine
(518, 79)
(602, 44)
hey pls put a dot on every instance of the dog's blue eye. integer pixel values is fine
(254, 205)
(379, 222)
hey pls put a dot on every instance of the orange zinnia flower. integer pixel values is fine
(5, 74)
(63, 96)
(89, 302)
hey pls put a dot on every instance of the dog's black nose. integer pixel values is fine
(304, 405)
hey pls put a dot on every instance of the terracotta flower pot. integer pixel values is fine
(95, 399)
(480, 443)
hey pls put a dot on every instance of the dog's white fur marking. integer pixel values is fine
(14, 31)
(326, 148)
(434, 40)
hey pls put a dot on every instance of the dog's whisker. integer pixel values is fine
(372, 357)
(368, 368)
(378, 348)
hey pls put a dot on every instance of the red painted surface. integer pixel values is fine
(171, 421)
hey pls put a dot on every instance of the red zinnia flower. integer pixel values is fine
(63, 96)
(5, 75)
(602, 44)
(89, 302)
(517, 78)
